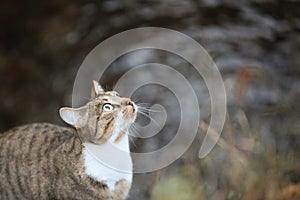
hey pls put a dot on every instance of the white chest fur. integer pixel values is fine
(108, 162)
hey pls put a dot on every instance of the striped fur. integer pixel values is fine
(45, 161)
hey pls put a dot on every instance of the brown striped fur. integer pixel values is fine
(44, 161)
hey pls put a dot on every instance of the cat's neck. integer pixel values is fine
(122, 143)
(109, 162)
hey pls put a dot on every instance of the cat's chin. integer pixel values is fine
(129, 115)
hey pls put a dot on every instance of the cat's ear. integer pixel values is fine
(76, 117)
(96, 89)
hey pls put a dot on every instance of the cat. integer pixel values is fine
(46, 161)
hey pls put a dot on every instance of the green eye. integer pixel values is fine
(107, 107)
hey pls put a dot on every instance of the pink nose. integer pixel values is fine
(130, 103)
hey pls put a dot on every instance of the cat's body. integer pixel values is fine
(42, 162)
(45, 161)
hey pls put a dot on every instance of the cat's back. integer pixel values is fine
(32, 158)
(36, 130)
(28, 138)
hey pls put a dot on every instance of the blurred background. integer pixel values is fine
(255, 44)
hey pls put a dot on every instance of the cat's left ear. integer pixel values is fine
(96, 89)
(77, 117)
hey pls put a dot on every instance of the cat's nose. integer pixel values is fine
(130, 103)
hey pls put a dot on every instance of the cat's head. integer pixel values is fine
(105, 115)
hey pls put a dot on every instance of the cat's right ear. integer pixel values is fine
(76, 117)
(96, 89)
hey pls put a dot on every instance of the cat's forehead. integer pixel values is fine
(111, 97)
(112, 93)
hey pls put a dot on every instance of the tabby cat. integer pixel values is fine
(45, 161)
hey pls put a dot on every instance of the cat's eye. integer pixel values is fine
(107, 107)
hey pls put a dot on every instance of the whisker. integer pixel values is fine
(86, 98)
(134, 129)
(148, 109)
(146, 115)
(144, 112)
(136, 101)
(142, 104)
(132, 141)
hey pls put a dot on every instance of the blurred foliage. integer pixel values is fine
(176, 187)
